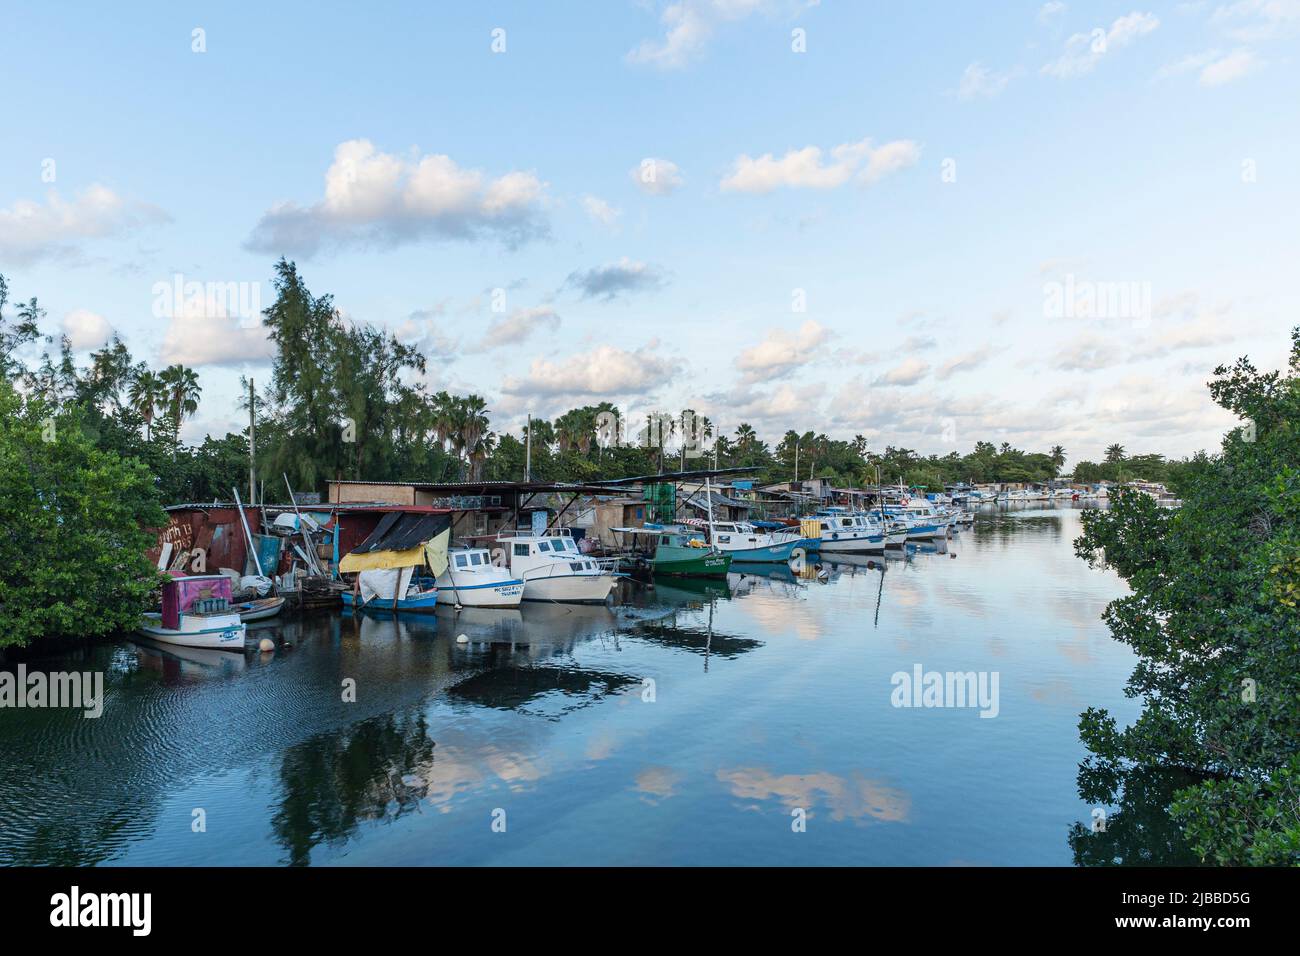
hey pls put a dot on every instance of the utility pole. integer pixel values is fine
(528, 451)
(796, 461)
(252, 446)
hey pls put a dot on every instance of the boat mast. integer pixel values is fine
(252, 446)
(708, 501)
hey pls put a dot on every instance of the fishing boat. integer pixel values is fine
(472, 580)
(921, 519)
(553, 569)
(676, 551)
(377, 592)
(848, 533)
(196, 612)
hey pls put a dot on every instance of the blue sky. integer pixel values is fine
(858, 238)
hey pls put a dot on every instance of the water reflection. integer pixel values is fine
(773, 693)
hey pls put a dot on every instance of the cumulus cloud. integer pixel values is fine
(56, 228)
(517, 327)
(423, 330)
(908, 372)
(600, 211)
(809, 168)
(1083, 51)
(380, 199)
(780, 353)
(604, 372)
(85, 329)
(657, 177)
(608, 281)
(198, 337)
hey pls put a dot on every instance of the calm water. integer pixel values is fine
(770, 693)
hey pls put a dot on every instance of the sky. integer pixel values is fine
(927, 223)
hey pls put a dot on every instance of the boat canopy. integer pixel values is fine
(402, 541)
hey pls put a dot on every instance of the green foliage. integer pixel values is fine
(72, 554)
(1212, 618)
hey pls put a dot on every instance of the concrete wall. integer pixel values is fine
(385, 494)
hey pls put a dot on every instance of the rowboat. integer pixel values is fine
(416, 600)
(260, 609)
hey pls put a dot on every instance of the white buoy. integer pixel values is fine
(266, 644)
(462, 639)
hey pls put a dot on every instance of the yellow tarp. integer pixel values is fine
(432, 552)
(382, 560)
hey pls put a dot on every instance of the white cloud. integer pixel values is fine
(31, 231)
(1251, 21)
(688, 26)
(86, 330)
(966, 362)
(604, 372)
(1214, 66)
(200, 335)
(380, 199)
(1083, 51)
(1234, 66)
(517, 327)
(807, 169)
(908, 372)
(979, 81)
(780, 353)
(600, 211)
(1048, 12)
(658, 177)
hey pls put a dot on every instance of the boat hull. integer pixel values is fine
(259, 610)
(226, 637)
(424, 604)
(861, 544)
(569, 588)
(693, 566)
(769, 554)
(491, 594)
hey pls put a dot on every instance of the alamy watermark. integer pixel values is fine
(922, 688)
(1082, 299)
(202, 300)
(686, 433)
(72, 689)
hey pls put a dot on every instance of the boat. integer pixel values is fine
(921, 519)
(553, 569)
(260, 609)
(676, 551)
(405, 592)
(744, 542)
(196, 612)
(472, 580)
(848, 533)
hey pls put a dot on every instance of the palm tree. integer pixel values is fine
(1058, 459)
(443, 412)
(182, 390)
(145, 395)
(1115, 453)
(473, 438)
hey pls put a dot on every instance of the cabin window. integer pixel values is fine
(460, 561)
(543, 546)
(575, 565)
(724, 538)
(476, 559)
(665, 540)
(521, 550)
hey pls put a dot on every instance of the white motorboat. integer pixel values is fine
(472, 580)
(553, 569)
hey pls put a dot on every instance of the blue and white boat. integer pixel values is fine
(472, 580)
(396, 589)
(744, 542)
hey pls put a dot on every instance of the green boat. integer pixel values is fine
(675, 551)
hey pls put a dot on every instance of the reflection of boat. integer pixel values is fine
(471, 579)
(855, 560)
(196, 612)
(174, 660)
(260, 609)
(759, 569)
(488, 625)
(690, 590)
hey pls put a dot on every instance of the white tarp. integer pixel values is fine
(381, 585)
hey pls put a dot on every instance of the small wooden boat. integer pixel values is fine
(416, 601)
(196, 612)
(260, 609)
